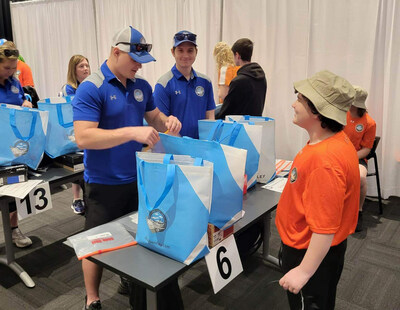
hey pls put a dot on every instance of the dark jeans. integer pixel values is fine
(320, 290)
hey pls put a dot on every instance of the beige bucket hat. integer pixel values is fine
(361, 96)
(331, 94)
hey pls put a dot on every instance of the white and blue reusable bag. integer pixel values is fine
(228, 180)
(23, 132)
(266, 129)
(174, 204)
(239, 135)
(60, 133)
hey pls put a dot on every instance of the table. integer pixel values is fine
(153, 271)
(56, 177)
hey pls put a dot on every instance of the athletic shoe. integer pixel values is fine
(95, 305)
(20, 239)
(78, 206)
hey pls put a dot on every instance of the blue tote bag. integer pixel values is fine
(60, 133)
(23, 133)
(266, 125)
(174, 205)
(238, 135)
(228, 179)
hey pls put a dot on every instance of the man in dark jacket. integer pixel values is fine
(247, 90)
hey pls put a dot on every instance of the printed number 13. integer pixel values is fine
(42, 197)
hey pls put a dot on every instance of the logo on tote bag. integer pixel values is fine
(157, 221)
(20, 148)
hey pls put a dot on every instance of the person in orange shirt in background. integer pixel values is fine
(24, 73)
(227, 70)
(361, 129)
(319, 205)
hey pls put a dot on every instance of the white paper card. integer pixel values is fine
(223, 263)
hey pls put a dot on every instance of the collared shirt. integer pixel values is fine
(188, 100)
(12, 92)
(103, 99)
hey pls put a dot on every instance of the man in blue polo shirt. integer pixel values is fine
(109, 107)
(183, 92)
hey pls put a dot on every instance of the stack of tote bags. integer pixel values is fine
(28, 133)
(173, 188)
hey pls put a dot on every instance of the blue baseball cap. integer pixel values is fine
(2, 41)
(131, 41)
(184, 36)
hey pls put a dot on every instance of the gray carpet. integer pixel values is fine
(370, 280)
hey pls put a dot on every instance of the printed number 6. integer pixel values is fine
(222, 261)
(42, 196)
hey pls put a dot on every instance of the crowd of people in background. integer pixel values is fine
(321, 203)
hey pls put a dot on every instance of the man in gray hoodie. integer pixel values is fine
(248, 89)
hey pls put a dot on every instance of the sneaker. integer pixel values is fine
(78, 206)
(123, 287)
(359, 226)
(95, 305)
(20, 239)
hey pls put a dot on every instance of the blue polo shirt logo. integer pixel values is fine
(177, 92)
(138, 94)
(14, 89)
(199, 91)
(113, 97)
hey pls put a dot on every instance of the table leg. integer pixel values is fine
(267, 234)
(151, 299)
(9, 258)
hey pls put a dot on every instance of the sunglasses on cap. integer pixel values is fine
(139, 47)
(9, 53)
(185, 36)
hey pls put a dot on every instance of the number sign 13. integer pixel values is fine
(37, 201)
(223, 263)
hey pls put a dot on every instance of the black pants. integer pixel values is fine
(320, 290)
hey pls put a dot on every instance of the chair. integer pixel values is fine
(372, 154)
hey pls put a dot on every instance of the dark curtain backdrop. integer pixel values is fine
(5, 20)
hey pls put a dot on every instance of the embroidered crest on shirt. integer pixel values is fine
(293, 175)
(138, 94)
(199, 91)
(14, 89)
(359, 127)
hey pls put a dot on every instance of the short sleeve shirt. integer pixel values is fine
(103, 99)
(321, 194)
(187, 100)
(12, 92)
(361, 130)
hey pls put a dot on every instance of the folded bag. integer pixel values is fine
(23, 133)
(174, 205)
(238, 135)
(228, 179)
(100, 239)
(266, 166)
(60, 134)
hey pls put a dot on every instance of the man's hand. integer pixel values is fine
(146, 135)
(27, 104)
(294, 280)
(173, 125)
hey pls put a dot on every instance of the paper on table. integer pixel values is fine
(276, 185)
(19, 190)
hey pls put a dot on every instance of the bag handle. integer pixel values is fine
(17, 133)
(60, 113)
(216, 131)
(168, 183)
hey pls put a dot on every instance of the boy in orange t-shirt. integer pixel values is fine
(361, 130)
(319, 204)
